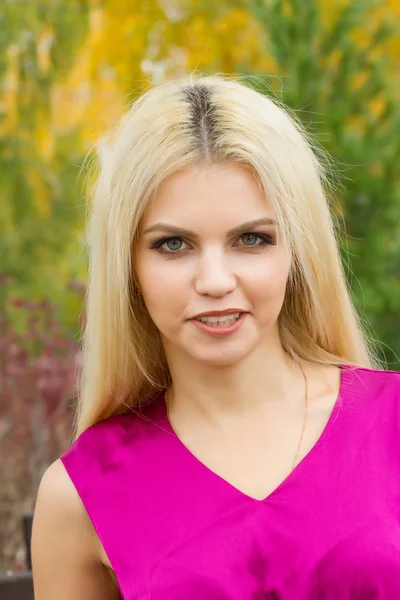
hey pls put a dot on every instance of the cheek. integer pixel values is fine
(161, 287)
(268, 280)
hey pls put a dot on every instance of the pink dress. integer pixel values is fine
(175, 530)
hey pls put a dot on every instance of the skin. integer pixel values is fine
(67, 558)
(243, 385)
(213, 269)
(237, 401)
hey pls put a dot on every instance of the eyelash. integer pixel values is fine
(266, 240)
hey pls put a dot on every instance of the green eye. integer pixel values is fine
(170, 245)
(256, 240)
(174, 244)
(250, 239)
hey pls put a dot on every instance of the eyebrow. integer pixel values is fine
(180, 231)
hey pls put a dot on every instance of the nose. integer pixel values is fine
(214, 276)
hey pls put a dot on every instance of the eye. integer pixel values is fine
(174, 244)
(171, 245)
(252, 240)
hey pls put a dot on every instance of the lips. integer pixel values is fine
(219, 313)
(220, 320)
(221, 324)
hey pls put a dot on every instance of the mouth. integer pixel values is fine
(219, 324)
(220, 320)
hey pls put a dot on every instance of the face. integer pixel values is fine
(209, 267)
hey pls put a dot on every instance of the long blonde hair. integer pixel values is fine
(170, 127)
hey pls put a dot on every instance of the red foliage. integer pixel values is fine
(38, 370)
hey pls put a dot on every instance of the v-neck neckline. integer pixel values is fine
(292, 475)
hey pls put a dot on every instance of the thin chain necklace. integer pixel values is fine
(305, 417)
(166, 396)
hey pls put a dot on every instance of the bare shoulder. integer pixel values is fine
(56, 485)
(58, 504)
(65, 548)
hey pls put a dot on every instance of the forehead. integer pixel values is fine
(226, 194)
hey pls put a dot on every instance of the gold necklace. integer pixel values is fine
(305, 417)
(166, 396)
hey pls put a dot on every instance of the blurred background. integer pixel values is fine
(68, 68)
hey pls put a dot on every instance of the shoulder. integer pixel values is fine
(110, 445)
(58, 504)
(66, 552)
(60, 520)
(379, 387)
(55, 482)
(112, 429)
(379, 379)
(108, 431)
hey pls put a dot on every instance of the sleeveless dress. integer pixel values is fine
(175, 530)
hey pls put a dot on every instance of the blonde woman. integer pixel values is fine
(236, 439)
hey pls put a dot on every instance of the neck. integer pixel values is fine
(246, 388)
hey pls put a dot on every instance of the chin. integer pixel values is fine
(221, 357)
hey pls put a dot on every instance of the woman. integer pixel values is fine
(235, 438)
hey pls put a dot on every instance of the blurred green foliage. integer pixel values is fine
(39, 197)
(68, 68)
(338, 79)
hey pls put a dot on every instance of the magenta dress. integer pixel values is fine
(175, 530)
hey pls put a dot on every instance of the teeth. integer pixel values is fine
(226, 320)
